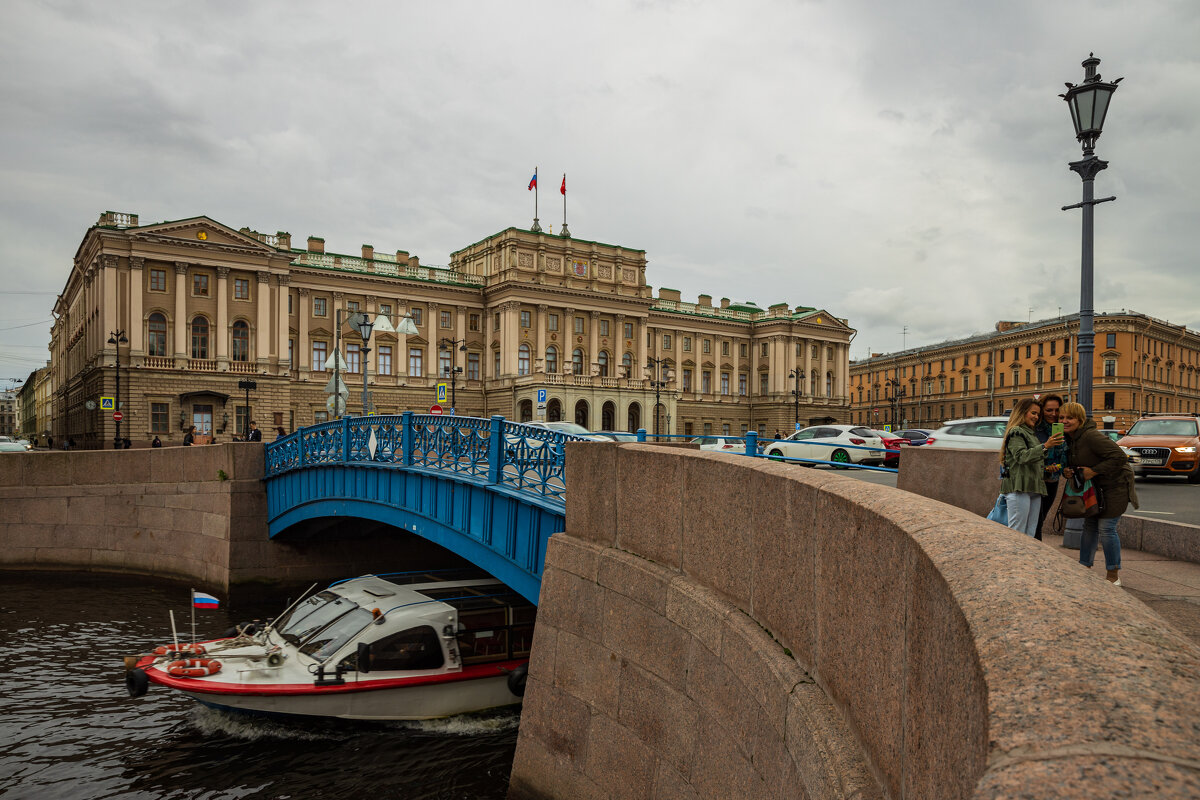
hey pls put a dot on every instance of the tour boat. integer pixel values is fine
(405, 646)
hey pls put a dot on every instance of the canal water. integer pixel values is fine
(68, 728)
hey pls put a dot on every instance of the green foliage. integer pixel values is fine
(221, 476)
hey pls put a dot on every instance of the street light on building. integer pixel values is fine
(1088, 102)
(452, 370)
(797, 375)
(364, 324)
(659, 374)
(117, 338)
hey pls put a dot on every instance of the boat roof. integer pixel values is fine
(449, 588)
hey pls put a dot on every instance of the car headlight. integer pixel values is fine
(1185, 449)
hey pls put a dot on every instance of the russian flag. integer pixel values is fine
(202, 600)
(533, 181)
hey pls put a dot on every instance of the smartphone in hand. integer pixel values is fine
(1056, 428)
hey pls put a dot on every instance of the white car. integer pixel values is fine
(975, 433)
(842, 444)
(722, 444)
(9, 446)
(570, 428)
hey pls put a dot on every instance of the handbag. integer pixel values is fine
(1081, 499)
(999, 512)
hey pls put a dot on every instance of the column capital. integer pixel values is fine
(136, 262)
(304, 291)
(284, 280)
(569, 311)
(222, 272)
(338, 295)
(181, 267)
(620, 318)
(461, 310)
(543, 308)
(595, 315)
(264, 277)
(108, 261)
(370, 298)
(432, 305)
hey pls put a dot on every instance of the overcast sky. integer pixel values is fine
(896, 163)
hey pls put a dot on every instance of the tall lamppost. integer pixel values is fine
(453, 370)
(656, 369)
(246, 384)
(364, 324)
(117, 338)
(1088, 102)
(898, 393)
(797, 375)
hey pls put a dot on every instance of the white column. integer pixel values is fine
(540, 355)
(181, 322)
(221, 332)
(303, 315)
(640, 368)
(823, 368)
(108, 282)
(137, 346)
(509, 337)
(808, 366)
(264, 317)
(593, 340)
(459, 358)
(283, 328)
(431, 353)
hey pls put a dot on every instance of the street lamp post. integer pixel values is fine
(797, 375)
(117, 338)
(898, 393)
(1088, 102)
(656, 368)
(453, 371)
(247, 385)
(364, 325)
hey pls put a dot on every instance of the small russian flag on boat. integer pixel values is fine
(202, 600)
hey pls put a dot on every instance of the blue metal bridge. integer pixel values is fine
(489, 490)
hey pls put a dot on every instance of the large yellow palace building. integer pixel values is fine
(203, 306)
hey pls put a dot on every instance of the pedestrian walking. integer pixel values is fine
(189, 438)
(254, 435)
(156, 443)
(1023, 458)
(280, 432)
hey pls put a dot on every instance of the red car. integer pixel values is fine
(892, 442)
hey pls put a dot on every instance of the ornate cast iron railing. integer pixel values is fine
(520, 457)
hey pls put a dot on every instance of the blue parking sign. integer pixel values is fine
(541, 395)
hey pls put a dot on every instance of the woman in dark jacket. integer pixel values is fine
(1100, 460)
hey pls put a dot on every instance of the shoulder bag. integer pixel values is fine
(1081, 498)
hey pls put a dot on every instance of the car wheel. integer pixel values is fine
(775, 455)
(1194, 477)
(840, 459)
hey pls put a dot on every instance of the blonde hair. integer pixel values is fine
(1073, 410)
(1015, 420)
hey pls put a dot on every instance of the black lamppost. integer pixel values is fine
(1088, 102)
(796, 375)
(364, 325)
(247, 384)
(656, 368)
(117, 338)
(453, 371)
(898, 393)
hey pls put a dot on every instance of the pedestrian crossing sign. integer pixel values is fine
(441, 392)
(108, 404)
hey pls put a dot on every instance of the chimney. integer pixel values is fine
(414, 262)
(401, 256)
(368, 252)
(724, 302)
(285, 239)
(668, 294)
(316, 244)
(705, 301)
(1004, 325)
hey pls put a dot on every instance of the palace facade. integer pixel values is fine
(192, 309)
(1140, 364)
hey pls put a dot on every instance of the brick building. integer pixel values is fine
(203, 306)
(1141, 364)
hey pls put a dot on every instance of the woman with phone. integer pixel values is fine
(1056, 457)
(1097, 458)
(1023, 458)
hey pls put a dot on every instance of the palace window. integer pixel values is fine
(706, 382)
(604, 327)
(418, 316)
(320, 307)
(156, 329)
(473, 322)
(200, 285)
(666, 341)
(200, 338)
(628, 330)
(444, 364)
(707, 346)
(724, 348)
(1110, 367)
(742, 384)
(602, 361)
(320, 354)
(1111, 340)
(158, 280)
(552, 322)
(579, 324)
(523, 359)
(353, 358)
(552, 359)
(687, 380)
(385, 360)
(526, 319)
(627, 364)
(352, 305)
(686, 344)
(159, 417)
(416, 362)
(725, 383)
(577, 361)
(762, 383)
(446, 319)
(472, 366)
(241, 341)
(241, 289)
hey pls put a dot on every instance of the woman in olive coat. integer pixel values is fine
(1023, 457)
(1100, 460)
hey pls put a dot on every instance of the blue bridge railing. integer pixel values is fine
(496, 451)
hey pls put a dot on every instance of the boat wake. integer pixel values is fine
(464, 724)
(254, 727)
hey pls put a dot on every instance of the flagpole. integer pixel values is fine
(536, 227)
(565, 231)
(193, 604)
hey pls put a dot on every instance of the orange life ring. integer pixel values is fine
(194, 667)
(163, 649)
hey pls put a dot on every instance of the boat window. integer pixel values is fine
(296, 616)
(415, 648)
(333, 636)
(317, 619)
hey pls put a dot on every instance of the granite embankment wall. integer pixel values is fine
(970, 479)
(188, 513)
(715, 626)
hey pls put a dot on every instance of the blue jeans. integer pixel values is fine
(1023, 511)
(1106, 531)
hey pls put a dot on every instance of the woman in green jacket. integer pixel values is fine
(1023, 457)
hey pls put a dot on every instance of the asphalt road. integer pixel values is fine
(1171, 499)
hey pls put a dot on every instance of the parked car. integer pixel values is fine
(892, 442)
(12, 447)
(1115, 435)
(975, 433)
(724, 444)
(915, 436)
(618, 436)
(1166, 444)
(843, 444)
(570, 428)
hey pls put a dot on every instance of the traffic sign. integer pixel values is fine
(118, 416)
(541, 396)
(340, 362)
(799, 426)
(441, 392)
(435, 409)
(108, 404)
(336, 404)
(341, 387)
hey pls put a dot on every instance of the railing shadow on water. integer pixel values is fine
(487, 450)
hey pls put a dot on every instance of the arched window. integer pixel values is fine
(552, 359)
(627, 363)
(602, 359)
(526, 411)
(635, 417)
(577, 361)
(199, 338)
(156, 338)
(523, 359)
(241, 341)
(829, 384)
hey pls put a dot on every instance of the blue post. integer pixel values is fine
(496, 449)
(300, 445)
(641, 434)
(406, 438)
(346, 439)
(752, 443)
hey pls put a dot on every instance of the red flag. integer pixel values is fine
(533, 180)
(563, 188)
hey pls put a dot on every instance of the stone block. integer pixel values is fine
(46, 469)
(662, 717)
(1173, 540)
(247, 460)
(574, 555)
(636, 578)
(12, 470)
(670, 785)
(649, 640)
(828, 759)
(539, 774)
(558, 721)
(81, 557)
(619, 761)
(720, 521)
(720, 769)
(542, 654)
(722, 698)
(587, 671)
(1082, 776)
(968, 479)
(765, 672)
(698, 611)
(591, 503)
(155, 519)
(650, 512)
(570, 603)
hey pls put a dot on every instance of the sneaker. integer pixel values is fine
(1113, 577)
(1117, 582)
